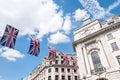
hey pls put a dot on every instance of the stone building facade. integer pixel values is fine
(97, 45)
(54, 70)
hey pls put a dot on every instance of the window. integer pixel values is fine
(63, 77)
(49, 77)
(57, 56)
(69, 77)
(68, 70)
(49, 70)
(114, 46)
(56, 69)
(118, 58)
(96, 61)
(109, 36)
(56, 61)
(68, 62)
(56, 77)
(62, 69)
(75, 71)
(50, 62)
(62, 62)
(75, 77)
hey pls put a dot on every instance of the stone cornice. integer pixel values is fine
(54, 65)
(90, 36)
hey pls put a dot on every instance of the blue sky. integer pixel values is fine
(55, 20)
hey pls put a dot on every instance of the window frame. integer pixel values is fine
(109, 36)
(114, 46)
(118, 59)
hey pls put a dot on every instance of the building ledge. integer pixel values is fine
(103, 30)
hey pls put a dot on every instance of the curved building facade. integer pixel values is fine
(54, 70)
(97, 45)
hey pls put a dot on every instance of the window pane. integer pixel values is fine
(49, 70)
(69, 77)
(62, 62)
(110, 36)
(49, 77)
(68, 70)
(62, 69)
(118, 58)
(56, 77)
(50, 62)
(75, 71)
(63, 77)
(114, 46)
(56, 69)
(56, 61)
(75, 77)
(96, 61)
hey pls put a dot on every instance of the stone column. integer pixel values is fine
(86, 60)
(103, 56)
(81, 60)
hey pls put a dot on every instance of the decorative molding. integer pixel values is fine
(93, 35)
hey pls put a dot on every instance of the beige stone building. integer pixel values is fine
(97, 45)
(54, 70)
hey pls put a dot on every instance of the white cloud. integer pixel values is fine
(93, 7)
(79, 14)
(58, 38)
(112, 6)
(28, 15)
(67, 26)
(1, 78)
(25, 78)
(10, 54)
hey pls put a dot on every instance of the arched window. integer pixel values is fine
(96, 61)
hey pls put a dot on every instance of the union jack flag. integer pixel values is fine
(52, 54)
(65, 57)
(34, 47)
(9, 37)
(75, 66)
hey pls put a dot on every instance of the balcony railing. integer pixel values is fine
(98, 71)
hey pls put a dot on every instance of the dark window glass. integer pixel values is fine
(56, 56)
(69, 77)
(56, 77)
(109, 36)
(63, 77)
(49, 77)
(56, 69)
(118, 58)
(114, 46)
(68, 70)
(75, 77)
(62, 62)
(75, 71)
(62, 69)
(56, 61)
(96, 61)
(49, 70)
(50, 62)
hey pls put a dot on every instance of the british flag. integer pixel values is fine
(52, 53)
(65, 57)
(75, 66)
(34, 47)
(9, 37)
